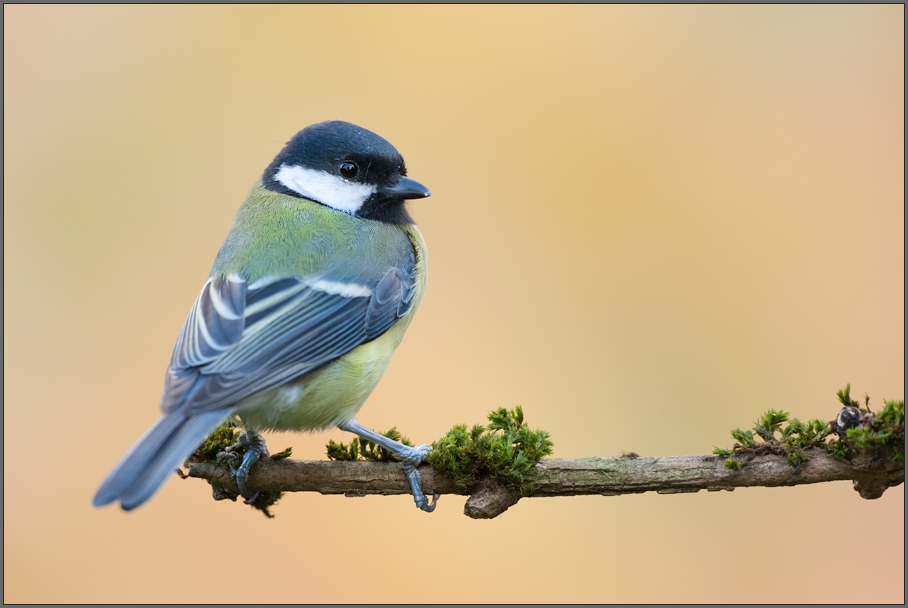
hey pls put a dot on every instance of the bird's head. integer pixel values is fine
(347, 168)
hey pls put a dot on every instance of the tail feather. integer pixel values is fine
(145, 467)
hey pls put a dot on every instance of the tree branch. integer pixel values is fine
(562, 477)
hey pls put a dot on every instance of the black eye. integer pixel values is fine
(348, 169)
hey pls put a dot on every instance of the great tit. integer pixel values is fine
(308, 298)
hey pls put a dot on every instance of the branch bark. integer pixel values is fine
(561, 477)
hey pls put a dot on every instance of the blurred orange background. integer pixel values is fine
(649, 224)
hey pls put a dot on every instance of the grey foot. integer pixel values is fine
(409, 465)
(254, 444)
(410, 459)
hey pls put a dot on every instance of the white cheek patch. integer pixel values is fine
(324, 188)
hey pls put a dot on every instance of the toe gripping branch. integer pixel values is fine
(254, 445)
(410, 459)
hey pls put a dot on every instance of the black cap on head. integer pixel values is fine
(356, 158)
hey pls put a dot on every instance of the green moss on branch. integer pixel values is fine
(506, 449)
(859, 433)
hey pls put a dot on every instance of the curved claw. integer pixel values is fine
(241, 474)
(255, 449)
(429, 506)
(419, 497)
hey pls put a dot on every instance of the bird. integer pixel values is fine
(309, 296)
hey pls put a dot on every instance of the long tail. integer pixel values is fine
(163, 448)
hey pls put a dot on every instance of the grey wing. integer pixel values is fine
(242, 339)
(214, 325)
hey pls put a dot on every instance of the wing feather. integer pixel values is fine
(239, 340)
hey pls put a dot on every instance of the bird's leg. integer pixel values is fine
(410, 459)
(255, 447)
